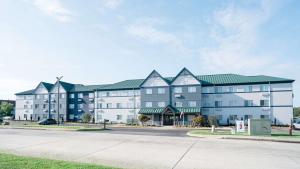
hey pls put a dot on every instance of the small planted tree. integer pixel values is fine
(143, 119)
(199, 121)
(86, 117)
(212, 120)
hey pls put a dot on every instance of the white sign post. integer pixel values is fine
(240, 126)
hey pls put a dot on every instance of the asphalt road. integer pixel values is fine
(150, 151)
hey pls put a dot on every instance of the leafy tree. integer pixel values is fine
(143, 119)
(86, 117)
(199, 121)
(212, 120)
(6, 109)
(296, 111)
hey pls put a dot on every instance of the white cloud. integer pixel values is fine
(54, 8)
(112, 4)
(235, 33)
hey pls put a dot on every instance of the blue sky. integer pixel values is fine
(105, 41)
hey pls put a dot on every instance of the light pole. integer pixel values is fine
(58, 82)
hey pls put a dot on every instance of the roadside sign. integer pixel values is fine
(240, 126)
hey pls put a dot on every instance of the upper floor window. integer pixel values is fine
(178, 104)
(119, 105)
(248, 103)
(231, 89)
(91, 105)
(119, 117)
(91, 95)
(218, 103)
(109, 105)
(248, 88)
(148, 91)
(71, 106)
(71, 96)
(264, 88)
(53, 96)
(218, 89)
(192, 89)
(192, 103)
(148, 104)
(80, 106)
(62, 95)
(264, 102)
(36, 106)
(46, 96)
(80, 95)
(161, 91)
(178, 90)
(37, 96)
(161, 104)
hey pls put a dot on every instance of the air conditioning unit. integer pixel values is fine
(266, 109)
(91, 110)
(45, 110)
(79, 99)
(80, 110)
(91, 99)
(52, 100)
(45, 100)
(52, 110)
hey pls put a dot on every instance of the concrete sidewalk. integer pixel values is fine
(144, 151)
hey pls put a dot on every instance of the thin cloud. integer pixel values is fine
(112, 4)
(235, 33)
(54, 8)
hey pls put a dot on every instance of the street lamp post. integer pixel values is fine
(58, 82)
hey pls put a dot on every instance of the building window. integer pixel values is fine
(192, 89)
(161, 91)
(71, 96)
(91, 95)
(52, 96)
(71, 106)
(148, 91)
(248, 117)
(192, 103)
(178, 104)
(264, 88)
(109, 105)
(99, 105)
(46, 96)
(264, 116)
(62, 96)
(178, 90)
(37, 96)
(264, 102)
(80, 106)
(119, 117)
(99, 116)
(218, 89)
(52, 106)
(231, 89)
(148, 104)
(248, 89)
(119, 105)
(161, 104)
(25, 106)
(44, 106)
(91, 106)
(80, 95)
(60, 106)
(233, 117)
(248, 103)
(218, 103)
(36, 106)
(102, 94)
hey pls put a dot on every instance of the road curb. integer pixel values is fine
(240, 138)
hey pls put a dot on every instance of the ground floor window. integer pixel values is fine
(233, 117)
(119, 117)
(248, 117)
(264, 116)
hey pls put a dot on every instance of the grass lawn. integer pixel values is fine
(8, 161)
(275, 133)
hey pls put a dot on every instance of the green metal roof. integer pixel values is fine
(27, 92)
(123, 85)
(48, 86)
(86, 88)
(178, 110)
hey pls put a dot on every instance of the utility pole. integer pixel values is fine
(58, 82)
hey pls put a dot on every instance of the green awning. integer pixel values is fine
(178, 110)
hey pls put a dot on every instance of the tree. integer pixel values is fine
(86, 117)
(296, 111)
(143, 119)
(6, 109)
(199, 121)
(212, 120)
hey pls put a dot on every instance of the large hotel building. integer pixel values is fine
(166, 100)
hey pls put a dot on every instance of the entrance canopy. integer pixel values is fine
(170, 110)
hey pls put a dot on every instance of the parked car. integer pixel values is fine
(47, 122)
(7, 118)
(296, 125)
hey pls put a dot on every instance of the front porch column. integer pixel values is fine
(153, 119)
(162, 119)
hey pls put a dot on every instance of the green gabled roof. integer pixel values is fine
(48, 86)
(178, 110)
(126, 84)
(67, 86)
(86, 88)
(27, 92)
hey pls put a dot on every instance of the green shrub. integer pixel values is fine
(86, 117)
(199, 121)
(143, 119)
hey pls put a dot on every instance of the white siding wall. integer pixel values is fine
(21, 110)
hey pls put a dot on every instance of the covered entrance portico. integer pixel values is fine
(170, 115)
